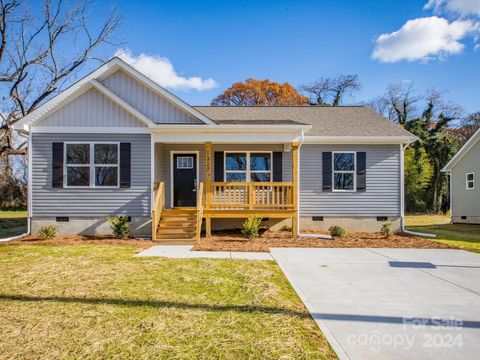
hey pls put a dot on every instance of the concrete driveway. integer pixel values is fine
(390, 303)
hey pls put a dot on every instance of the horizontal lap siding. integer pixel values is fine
(163, 164)
(466, 202)
(47, 201)
(382, 196)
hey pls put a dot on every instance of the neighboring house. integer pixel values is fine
(118, 143)
(464, 171)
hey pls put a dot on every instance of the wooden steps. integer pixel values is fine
(177, 226)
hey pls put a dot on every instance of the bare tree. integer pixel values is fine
(35, 63)
(331, 91)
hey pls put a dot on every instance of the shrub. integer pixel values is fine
(386, 229)
(251, 227)
(47, 232)
(120, 226)
(337, 231)
(287, 228)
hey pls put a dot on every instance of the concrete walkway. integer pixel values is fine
(390, 303)
(181, 252)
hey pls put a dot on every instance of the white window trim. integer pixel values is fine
(247, 171)
(90, 165)
(183, 158)
(470, 181)
(354, 171)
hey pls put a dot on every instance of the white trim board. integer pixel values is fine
(462, 152)
(99, 74)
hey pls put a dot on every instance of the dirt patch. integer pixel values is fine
(234, 241)
(34, 239)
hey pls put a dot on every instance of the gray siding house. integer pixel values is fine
(464, 171)
(118, 143)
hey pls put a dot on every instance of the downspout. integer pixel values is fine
(300, 143)
(29, 192)
(402, 196)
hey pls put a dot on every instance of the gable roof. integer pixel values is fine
(326, 121)
(94, 80)
(463, 151)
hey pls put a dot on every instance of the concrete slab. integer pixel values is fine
(170, 251)
(209, 254)
(251, 255)
(390, 303)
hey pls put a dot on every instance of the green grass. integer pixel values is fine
(99, 302)
(12, 222)
(464, 236)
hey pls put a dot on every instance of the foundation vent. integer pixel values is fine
(62, 219)
(382, 218)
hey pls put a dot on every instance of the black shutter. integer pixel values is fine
(361, 171)
(277, 166)
(125, 165)
(218, 166)
(57, 165)
(326, 171)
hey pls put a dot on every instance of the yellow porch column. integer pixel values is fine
(295, 189)
(208, 186)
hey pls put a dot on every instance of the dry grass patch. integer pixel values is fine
(234, 241)
(98, 301)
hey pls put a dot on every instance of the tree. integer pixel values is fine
(431, 128)
(34, 64)
(330, 91)
(253, 92)
(418, 176)
(467, 127)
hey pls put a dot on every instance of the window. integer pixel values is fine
(344, 171)
(248, 166)
(184, 162)
(91, 165)
(470, 181)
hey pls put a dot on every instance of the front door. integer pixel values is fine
(184, 180)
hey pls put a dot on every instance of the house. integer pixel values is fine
(118, 143)
(464, 171)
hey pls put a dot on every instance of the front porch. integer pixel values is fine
(222, 199)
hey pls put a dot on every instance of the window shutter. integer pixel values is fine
(218, 166)
(361, 171)
(57, 165)
(327, 171)
(125, 165)
(277, 166)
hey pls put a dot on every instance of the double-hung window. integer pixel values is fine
(91, 164)
(343, 172)
(248, 166)
(470, 181)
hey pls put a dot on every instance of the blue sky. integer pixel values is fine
(300, 41)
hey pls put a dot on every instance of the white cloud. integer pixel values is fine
(477, 47)
(460, 7)
(161, 70)
(423, 39)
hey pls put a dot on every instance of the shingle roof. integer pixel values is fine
(259, 122)
(325, 120)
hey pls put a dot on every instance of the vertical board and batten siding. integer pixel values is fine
(381, 198)
(90, 202)
(163, 164)
(152, 105)
(91, 109)
(466, 202)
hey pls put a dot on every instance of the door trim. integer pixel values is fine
(173, 152)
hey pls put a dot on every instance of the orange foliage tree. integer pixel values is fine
(253, 92)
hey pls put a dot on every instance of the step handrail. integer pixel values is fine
(158, 206)
(199, 210)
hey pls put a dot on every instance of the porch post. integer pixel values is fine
(295, 189)
(208, 187)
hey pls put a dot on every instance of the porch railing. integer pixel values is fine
(250, 195)
(158, 206)
(199, 210)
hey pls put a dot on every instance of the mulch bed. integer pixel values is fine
(34, 239)
(234, 241)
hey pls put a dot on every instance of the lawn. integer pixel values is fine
(98, 301)
(12, 222)
(464, 236)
